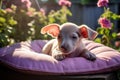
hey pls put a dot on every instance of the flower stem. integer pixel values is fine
(105, 9)
(0, 4)
(108, 41)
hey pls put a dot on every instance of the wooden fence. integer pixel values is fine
(88, 13)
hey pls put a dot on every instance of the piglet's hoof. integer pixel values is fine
(88, 55)
(92, 57)
(59, 57)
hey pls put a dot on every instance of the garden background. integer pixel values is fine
(22, 20)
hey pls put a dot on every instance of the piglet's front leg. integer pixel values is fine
(58, 55)
(88, 55)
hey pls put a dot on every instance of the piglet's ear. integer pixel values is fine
(83, 31)
(87, 32)
(52, 29)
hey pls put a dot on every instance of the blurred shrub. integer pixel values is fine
(7, 26)
(23, 22)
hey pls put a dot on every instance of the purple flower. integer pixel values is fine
(105, 23)
(102, 3)
(64, 3)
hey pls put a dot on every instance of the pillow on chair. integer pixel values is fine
(27, 57)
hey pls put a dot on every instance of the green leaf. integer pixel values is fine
(31, 23)
(105, 40)
(13, 7)
(2, 12)
(100, 30)
(115, 16)
(114, 35)
(106, 32)
(51, 19)
(98, 40)
(3, 39)
(9, 30)
(12, 22)
(2, 20)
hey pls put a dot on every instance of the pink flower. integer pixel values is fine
(117, 44)
(42, 11)
(27, 3)
(102, 3)
(30, 13)
(105, 23)
(9, 10)
(64, 3)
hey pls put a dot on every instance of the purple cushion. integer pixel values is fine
(27, 57)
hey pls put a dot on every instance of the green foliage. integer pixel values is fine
(19, 24)
(59, 16)
(110, 15)
(7, 24)
(39, 20)
(108, 36)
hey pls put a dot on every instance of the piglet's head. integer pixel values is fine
(83, 30)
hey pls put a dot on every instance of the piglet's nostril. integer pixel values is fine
(63, 47)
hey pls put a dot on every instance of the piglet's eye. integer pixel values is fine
(59, 36)
(74, 37)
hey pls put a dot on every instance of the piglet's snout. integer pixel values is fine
(64, 47)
